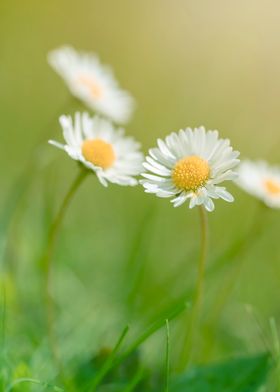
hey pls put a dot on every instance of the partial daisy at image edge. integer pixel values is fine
(101, 148)
(92, 82)
(189, 166)
(260, 180)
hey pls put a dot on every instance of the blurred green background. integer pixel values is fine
(122, 255)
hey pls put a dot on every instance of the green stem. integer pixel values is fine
(47, 262)
(167, 359)
(194, 319)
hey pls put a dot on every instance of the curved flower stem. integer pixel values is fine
(47, 262)
(194, 319)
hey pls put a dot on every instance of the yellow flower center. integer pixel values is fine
(272, 187)
(93, 87)
(190, 173)
(98, 152)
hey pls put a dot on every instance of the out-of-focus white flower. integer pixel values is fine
(260, 180)
(101, 148)
(92, 83)
(189, 165)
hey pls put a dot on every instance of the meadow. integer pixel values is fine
(111, 289)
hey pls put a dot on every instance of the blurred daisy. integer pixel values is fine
(92, 82)
(101, 148)
(261, 180)
(190, 165)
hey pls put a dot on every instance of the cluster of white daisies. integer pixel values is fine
(189, 165)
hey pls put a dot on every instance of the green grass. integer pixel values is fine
(123, 257)
(87, 316)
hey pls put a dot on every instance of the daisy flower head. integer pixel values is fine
(94, 142)
(260, 180)
(92, 83)
(191, 165)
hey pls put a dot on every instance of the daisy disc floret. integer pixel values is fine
(191, 165)
(260, 180)
(92, 83)
(94, 142)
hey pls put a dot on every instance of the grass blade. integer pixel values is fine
(135, 381)
(149, 332)
(108, 363)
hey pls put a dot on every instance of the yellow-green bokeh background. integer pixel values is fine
(187, 63)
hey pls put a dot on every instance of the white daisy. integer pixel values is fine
(261, 180)
(101, 148)
(189, 165)
(92, 82)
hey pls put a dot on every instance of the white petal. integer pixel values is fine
(193, 201)
(164, 150)
(179, 200)
(209, 205)
(157, 165)
(156, 170)
(153, 177)
(101, 179)
(225, 195)
(56, 144)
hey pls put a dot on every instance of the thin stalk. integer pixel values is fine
(108, 363)
(194, 319)
(149, 331)
(47, 262)
(167, 357)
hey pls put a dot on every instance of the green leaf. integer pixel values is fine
(237, 375)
